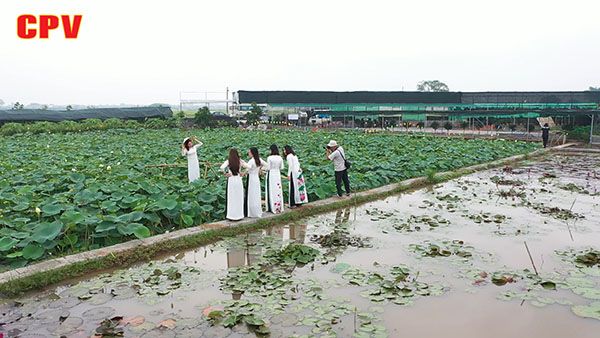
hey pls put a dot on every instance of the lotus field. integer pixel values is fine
(65, 193)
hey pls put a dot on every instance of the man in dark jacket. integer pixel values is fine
(545, 134)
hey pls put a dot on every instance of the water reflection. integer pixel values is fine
(342, 216)
(297, 233)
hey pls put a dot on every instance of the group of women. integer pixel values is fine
(245, 200)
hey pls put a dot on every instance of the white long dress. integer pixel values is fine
(273, 188)
(192, 159)
(254, 205)
(235, 193)
(297, 185)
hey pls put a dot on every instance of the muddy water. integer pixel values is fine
(550, 205)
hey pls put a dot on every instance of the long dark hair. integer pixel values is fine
(186, 144)
(234, 161)
(274, 149)
(288, 150)
(255, 156)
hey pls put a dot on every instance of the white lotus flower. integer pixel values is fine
(108, 167)
(38, 210)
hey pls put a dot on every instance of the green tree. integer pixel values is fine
(278, 118)
(421, 125)
(45, 107)
(435, 125)
(432, 86)
(69, 107)
(18, 106)
(203, 118)
(594, 89)
(253, 116)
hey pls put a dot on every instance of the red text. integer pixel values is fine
(28, 26)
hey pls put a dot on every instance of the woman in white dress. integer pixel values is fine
(253, 190)
(235, 188)
(273, 188)
(297, 185)
(190, 150)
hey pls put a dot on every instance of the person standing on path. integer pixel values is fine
(545, 134)
(235, 188)
(273, 188)
(190, 150)
(253, 189)
(297, 186)
(336, 154)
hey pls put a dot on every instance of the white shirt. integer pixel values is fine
(293, 164)
(275, 162)
(253, 168)
(337, 157)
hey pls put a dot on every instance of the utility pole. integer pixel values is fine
(592, 130)
(180, 104)
(227, 101)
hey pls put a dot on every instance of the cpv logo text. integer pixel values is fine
(31, 26)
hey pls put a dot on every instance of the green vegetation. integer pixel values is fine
(432, 86)
(253, 116)
(66, 193)
(44, 127)
(204, 119)
(581, 133)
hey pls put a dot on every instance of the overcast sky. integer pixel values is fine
(146, 51)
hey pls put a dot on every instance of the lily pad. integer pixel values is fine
(591, 310)
(98, 313)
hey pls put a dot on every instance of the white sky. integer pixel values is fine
(145, 51)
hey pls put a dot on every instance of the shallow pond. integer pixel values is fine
(510, 252)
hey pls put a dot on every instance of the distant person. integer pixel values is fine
(297, 185)
(273, 188)
(190, 150)
(545, 134)
(235, 188)
(336, 154)
(253, 192)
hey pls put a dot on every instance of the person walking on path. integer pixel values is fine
(297, 185)
(190, 150)
(235, 188)
(273, 188)
(545, 134)
(336, 154)
(253, 188)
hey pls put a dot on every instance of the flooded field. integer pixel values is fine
(510, 252)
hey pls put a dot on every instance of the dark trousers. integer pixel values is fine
(339, 177)
(545, 141)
